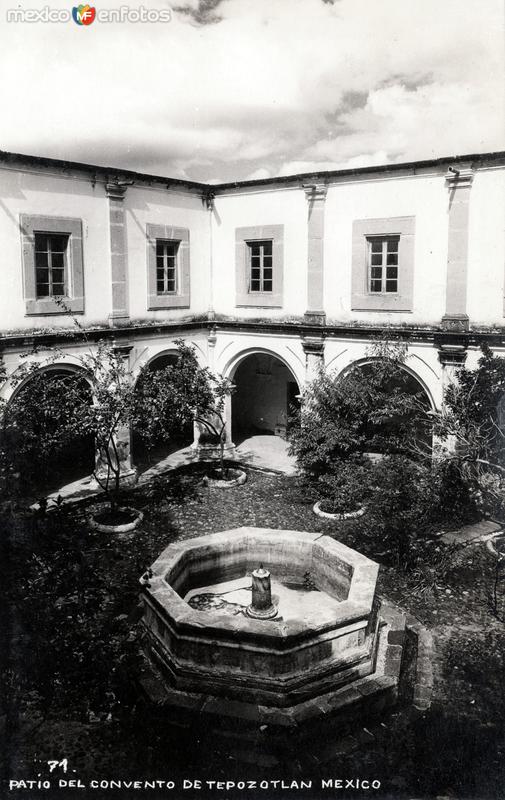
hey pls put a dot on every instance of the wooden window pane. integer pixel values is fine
(375, 286)
(393, 245)
(391, 285)
(392, 258)
(41, 258)
(376, 245)
(255, 286)
(42, 290)
(376, 258)
(267, 286)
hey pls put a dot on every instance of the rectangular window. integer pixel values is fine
(51, 265)
(260, 266)
(166, 266)
(383, 263)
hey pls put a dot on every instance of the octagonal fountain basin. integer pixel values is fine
(265, 616)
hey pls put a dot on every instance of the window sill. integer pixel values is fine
(381, 302)
(73, 305)
(259, 300)
(160, 301)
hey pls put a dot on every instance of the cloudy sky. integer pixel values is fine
(255, 88)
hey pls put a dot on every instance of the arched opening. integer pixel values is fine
(145, 455)
(412, 403)
(43, 438)
(265, 397)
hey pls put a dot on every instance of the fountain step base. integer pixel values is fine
(393, 680)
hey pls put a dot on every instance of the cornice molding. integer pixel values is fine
(460, 176)
(315, 191)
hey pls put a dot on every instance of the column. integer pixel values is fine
(459, 182)
(118, 254)
(313, 347)
(452, 356)
(316, 196)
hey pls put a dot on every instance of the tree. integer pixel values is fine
(39, 426)
(470, 426)
(375, 407)
(167, 399)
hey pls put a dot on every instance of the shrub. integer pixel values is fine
(370, 408)
(346, 489)
(403, 506)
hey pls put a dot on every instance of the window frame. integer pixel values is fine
(244, 238)
(166, 267)
(383, 266)
(261, 243)
(73, 299)
(180, 298)
(364, 230)
(51, 268)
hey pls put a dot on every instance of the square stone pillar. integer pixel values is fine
(316, 197)
(452, 356)
(459, 182)
(119, 314)
(313, 347)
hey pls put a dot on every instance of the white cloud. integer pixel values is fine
(274, 84)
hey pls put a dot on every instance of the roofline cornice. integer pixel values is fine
(208, 189)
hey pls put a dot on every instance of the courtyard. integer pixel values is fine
(72, 602)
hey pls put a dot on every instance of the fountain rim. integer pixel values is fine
(188, 622)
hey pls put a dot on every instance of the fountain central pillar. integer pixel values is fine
(261, 606)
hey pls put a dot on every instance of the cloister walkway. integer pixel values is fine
(269, 453)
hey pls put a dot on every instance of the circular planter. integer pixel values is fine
(239, 477)
(124, 527)
(490, 544)
(316, 508)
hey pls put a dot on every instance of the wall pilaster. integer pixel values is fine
(316, 197)
(459, 183)
(119, 314)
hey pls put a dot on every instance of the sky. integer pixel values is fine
(239, 89)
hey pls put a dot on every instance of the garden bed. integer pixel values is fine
(73, 592)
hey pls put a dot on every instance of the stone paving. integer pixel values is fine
(479, 531)
(269, 453)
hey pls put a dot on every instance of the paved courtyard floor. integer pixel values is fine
(268, 453)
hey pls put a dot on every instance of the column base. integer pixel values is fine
(127, 478)
(118, 319)
(455, 322)
(212, 452)
(315, 317)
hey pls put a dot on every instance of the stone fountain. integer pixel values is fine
(271, 627)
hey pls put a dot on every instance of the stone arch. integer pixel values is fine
(416, 384)
(142, 456)
(266, 389)
(26, 423)
(405, 367)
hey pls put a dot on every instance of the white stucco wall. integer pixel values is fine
(423, 197)
(157, 206)
(277, 206)
(486, 248)
(46, 194)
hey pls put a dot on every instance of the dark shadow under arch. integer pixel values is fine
(265, 396)
(38, 442)
(144, 457)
